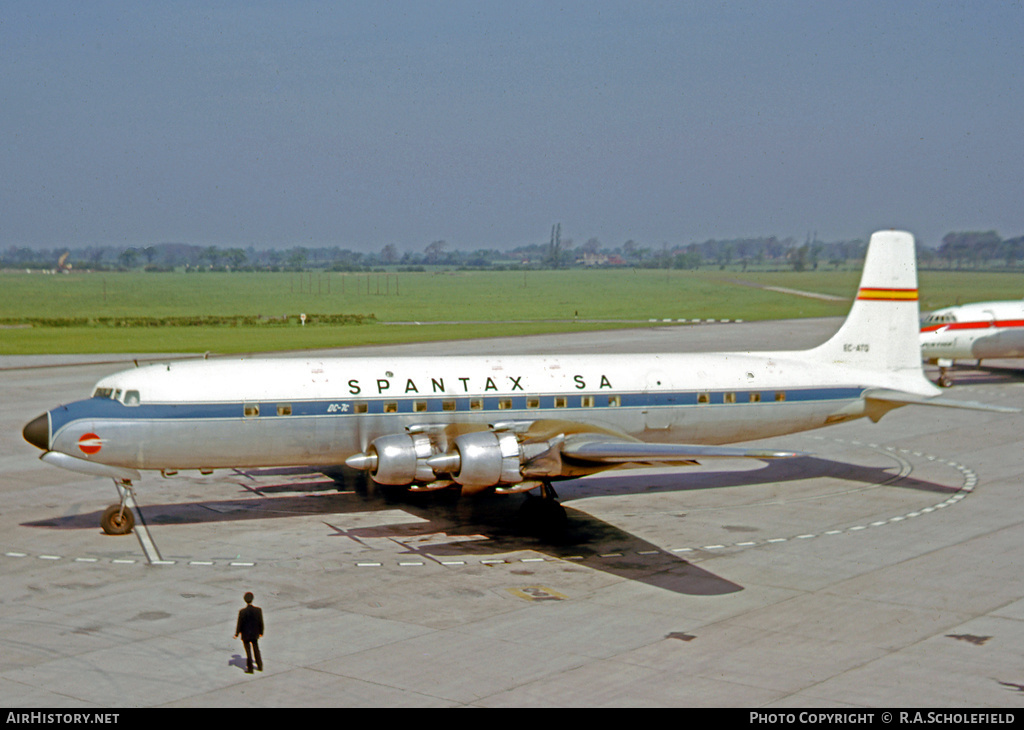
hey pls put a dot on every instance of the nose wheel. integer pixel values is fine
(118, 519)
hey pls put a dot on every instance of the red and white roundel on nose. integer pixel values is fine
(90, 443)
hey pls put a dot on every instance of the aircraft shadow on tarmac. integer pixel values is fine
(489, 524)
(485, 525)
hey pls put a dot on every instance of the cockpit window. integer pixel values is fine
(131, 397)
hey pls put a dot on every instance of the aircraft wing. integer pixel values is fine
(608, 450)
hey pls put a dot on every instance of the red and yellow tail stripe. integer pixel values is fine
(887, 295)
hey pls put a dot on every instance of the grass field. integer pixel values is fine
(443, 296)
(487, 303)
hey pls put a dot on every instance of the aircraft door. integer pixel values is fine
(658, 412)
(989, 342)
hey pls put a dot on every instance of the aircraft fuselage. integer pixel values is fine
(979, 331)
(231, 413)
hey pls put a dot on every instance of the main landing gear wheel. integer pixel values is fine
(543, 515)
(117, 520)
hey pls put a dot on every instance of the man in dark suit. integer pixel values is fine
(250, 626)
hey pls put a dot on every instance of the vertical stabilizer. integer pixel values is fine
(882, 330)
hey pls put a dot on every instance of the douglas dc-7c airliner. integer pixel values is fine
(509, 424)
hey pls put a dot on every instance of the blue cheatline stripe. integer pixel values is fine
(547, 405)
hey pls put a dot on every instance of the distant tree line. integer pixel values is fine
(978, 250)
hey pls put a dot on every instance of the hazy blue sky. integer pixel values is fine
(361, 124)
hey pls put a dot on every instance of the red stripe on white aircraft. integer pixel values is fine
(998, 324)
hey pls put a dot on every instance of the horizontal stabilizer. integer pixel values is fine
(900, 398)
(607, 451)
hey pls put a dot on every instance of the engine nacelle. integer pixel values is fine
(487, 458)
(476, 460)
(401, 458)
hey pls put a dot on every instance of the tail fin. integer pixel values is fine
(882, 330)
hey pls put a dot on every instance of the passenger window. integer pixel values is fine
(755, 397)
(533, 402)
(587, 401)
(476, 404)
(615, 401)
(448, 405)
(361, 408)
(419, 406)
(780, 396)
(703, 398)
(505, 404)
(251, 410)
(729, 398)
(391, 407)
(131, 398)
(561, 401)
(284, 409)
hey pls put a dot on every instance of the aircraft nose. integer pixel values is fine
(37, 432)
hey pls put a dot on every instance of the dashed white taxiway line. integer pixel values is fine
(969, 483)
